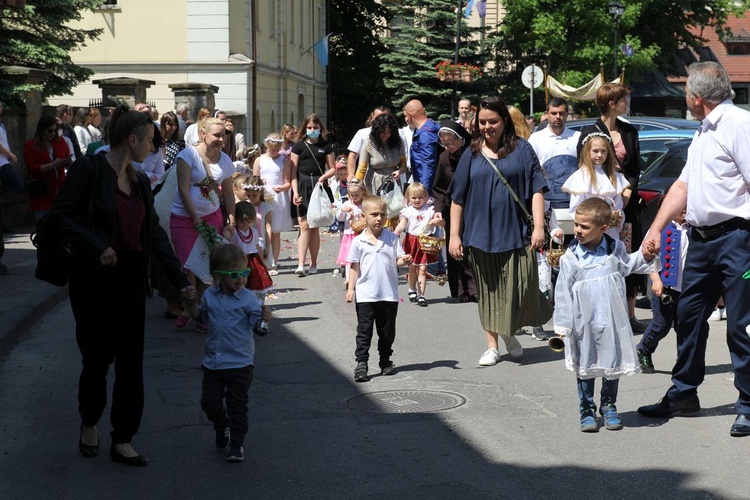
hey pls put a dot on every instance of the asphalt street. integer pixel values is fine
(511, 430)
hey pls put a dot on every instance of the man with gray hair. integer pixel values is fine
(714, 190)
(181, 110)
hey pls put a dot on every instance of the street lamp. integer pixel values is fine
(615, 10)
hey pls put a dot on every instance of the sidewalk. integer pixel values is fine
(23, 298)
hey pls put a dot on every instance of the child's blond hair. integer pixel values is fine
(598, 210)
(609, 162)
(370, 201)
(225, 257)
(415, 188)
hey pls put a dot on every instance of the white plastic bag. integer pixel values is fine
(319, 211)
(197, 261)
(394, 199)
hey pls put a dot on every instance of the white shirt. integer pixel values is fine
(378, 272)
(355, 146)
(205, 201)
(717, 171)
(407, 135)
(152, 166)
(546, 144)
(418, 219)
(4, 160)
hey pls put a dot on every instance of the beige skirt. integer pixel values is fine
(508, 290)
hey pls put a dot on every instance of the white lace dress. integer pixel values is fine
(580, 188)
(272, 173)
(591, 312)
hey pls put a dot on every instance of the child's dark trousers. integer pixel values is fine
(232, 384)
(383, 316)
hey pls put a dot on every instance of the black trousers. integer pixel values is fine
(383, 316)
(233, 385)
(109, 306)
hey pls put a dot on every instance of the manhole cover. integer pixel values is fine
(405, 401)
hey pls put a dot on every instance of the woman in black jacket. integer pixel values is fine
(105, 210)
(612, 101)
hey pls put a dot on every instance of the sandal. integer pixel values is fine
(421, 301)
(181, 322)
(412, 296)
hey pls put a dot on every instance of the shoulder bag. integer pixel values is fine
(54, 255)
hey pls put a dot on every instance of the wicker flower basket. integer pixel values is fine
(268, 195)
(358, 223)
(553, 255)
(616, 218)
(431, 243)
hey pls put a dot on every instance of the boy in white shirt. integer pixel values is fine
(375, 256)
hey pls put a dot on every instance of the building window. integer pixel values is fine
(738, 49)
(740, 95)
(108, 5)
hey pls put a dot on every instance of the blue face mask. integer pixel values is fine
(313, 134)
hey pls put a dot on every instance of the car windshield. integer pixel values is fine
(669, 164)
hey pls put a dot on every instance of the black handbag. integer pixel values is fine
(54, 255)
(38, 187)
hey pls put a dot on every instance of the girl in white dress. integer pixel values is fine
(276, 172)
(597, 177)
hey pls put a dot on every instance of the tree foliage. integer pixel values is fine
(39, 36)
(422, 35)
(356, 85)
(574, 39)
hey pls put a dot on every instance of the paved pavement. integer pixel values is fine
(515, 436)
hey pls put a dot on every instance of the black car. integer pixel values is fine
(659, 177)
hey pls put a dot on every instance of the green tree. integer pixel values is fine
(356, 84)
(39, 36)
(573, 38)
(423, 33)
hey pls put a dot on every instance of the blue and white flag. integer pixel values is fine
(469, 8)
(321, 50)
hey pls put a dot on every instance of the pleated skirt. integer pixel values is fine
(508, 290)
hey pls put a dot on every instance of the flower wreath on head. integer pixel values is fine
(596, 134)
(253, 187)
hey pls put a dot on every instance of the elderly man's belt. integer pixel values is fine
(706, 233)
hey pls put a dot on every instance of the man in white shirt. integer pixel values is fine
(355, 146)
(714, 188)
(555, 146)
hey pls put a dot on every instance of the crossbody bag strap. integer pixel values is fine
(512, 193)
(313, 156)
(215, 186)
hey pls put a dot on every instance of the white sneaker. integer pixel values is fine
(312, 270)
(514, 346)
(490, 357)
(300, 271)
(717, 314)
(723, 312)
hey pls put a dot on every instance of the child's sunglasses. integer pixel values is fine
(235, 274)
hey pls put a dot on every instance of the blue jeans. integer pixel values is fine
(664, 318)
(713, 267)
(586, 393)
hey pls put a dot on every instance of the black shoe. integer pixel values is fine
(236, 452)
(412, 296)
(4, 270)
(360, 372)
(637, 325)
(86, 450)
(421, 301)
(387, 368)
(169, 315)
(222, 437)
(643, 303)
(741, 426)
(667, 408)
(136, 461)
(647, 365)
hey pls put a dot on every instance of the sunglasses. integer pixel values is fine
(235, 274)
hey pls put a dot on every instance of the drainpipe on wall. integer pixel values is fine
(254, 73)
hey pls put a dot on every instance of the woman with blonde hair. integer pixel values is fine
(204, 183)
(191, 133)
(289, 136)
(519, 122)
